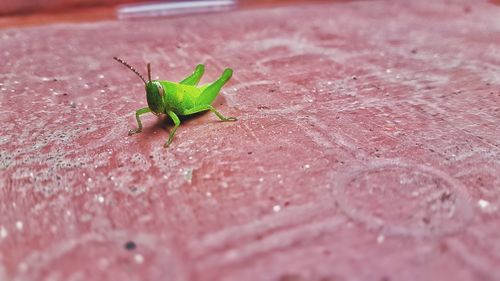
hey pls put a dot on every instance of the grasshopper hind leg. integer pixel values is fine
(194, 78)
(211, 91)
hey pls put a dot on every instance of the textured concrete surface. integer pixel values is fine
(367, 147)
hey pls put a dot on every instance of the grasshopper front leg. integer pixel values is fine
(139, 123)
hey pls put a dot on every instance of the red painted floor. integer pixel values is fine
(366, 147)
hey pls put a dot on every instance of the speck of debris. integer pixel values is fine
(250, 152)
(414, 51)
(130, 245)
(188, 174)
(263, 107)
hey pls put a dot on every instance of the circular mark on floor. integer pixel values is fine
(400, 198)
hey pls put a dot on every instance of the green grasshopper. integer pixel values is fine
(182, 98)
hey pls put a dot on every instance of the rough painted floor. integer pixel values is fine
(367, 147)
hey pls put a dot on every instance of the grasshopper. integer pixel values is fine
(179, 98)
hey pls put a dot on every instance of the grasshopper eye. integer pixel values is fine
(161, 91)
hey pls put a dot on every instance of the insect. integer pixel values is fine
(179, 98)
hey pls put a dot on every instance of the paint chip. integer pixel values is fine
(138, 258)
(380, 238)
(276, 208)
(19, 225)
(3, 232)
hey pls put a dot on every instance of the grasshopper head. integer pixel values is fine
(154, 95)
(154, 90)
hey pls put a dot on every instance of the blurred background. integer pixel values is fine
(34, 12)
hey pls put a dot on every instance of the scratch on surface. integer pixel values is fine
(338, 138)
(211, 242)
(316, 136)
(281, 239)
(251, 132)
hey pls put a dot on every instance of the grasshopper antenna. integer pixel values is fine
(133, 69)
(149, 71)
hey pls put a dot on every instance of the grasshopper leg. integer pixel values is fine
(194, 78)
(177, 123)
(201, 108)
(139, 123)
(211, 91)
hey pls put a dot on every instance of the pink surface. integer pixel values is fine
(367, 147)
